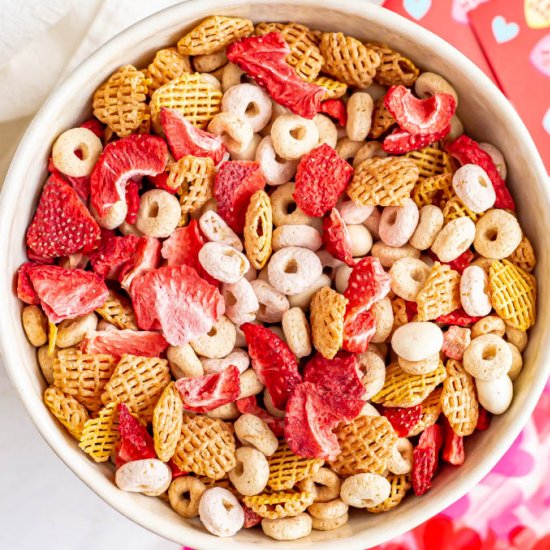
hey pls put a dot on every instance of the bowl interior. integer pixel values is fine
(487, 117)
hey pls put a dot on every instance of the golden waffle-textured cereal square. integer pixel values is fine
(167, 65)
(524, 255)
(440, 294)
(430, 409)
(281, 504)
(305, 55)
(327, 311)
(454, 208)
(382, 119)
(100, 434)
(67, 410)
(118, 311)
(435, 190)
(167, 420)
(400, 484)
(266, 27)
(258, 229)
(334, 88)
(432, 161)
(395, 69)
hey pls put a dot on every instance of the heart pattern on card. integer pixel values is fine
(546, 121)
(417, 8)
(540, 56)
(460, 9)
(504, 31)
(537, 13)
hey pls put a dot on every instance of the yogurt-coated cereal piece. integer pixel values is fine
(296, 331)
(487, 357)
(250, 384)
(353, 213)
(474, 188)
(64, 150)
(454, 239)
(220, 512)
(238, 357)
(359, 108)
(115, 216)
(303, 299)
(474, 293)
(35, 324)
(341, 279)
(285, 210)
(218, 342)
(373, 372)
(241, 303)
(401, 460)
(497, 234)
(303, 236)
(361, 240)
(388, 255)
(249, 103)
(408, 276)
(383, 318)
(417, 340)
(236, 133)
(495, 395)
(517, 362)
(328, 133)
(159, 213)
(492, 324)
(331, 509)
(429, 84)
(223, 262)
(294, 136)
(251, 472)
(290, 528)
(276, 170)
(272, 303)
(398, 223)
(149, 476)
(497, 158)
(430, 223)
(71, 332)
(250, 152)
(251, 430)
(215, 229)
(292, 270)
(372, 223)
(365, 490)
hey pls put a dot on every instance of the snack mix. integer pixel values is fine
(272, 279)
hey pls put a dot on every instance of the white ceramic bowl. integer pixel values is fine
(487, 116)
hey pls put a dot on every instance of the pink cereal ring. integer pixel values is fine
(474, 188)
(250, 103)
(241, 303)
(397, 223)
(275, 169)
(474, 295)
(353, 213)
(304, 236)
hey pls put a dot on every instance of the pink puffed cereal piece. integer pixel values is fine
(455, 340)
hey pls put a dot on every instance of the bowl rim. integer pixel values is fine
(185, 10)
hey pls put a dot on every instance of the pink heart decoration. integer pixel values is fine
(460, 9)
(540, 56)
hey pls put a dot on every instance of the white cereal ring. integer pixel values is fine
(398, 223)
(223, 262)
(408, 276)
(328, 134)
(251, 472)
(149, 476)
(487, 357)
(497, 234)
(275, 169)
(293, 269)
(238, 357)
(184, 495)
(71, 332)
(184, 362)
(474, 188)
(429, 84)
(474, 292)
(290, 528)
(388, 255)
(401, 460)
(383, 317)
(359, 107)
(492, 324)
(218, 342)
(273, 303)
(296, 331)
(294, 136)
(430, 223)
(159, 213)
(327, 485)
(497, 158)
(365, 490)
(241, 303)
(495, 395)
(285, 210)
(215, 229)
(303, 299)
(250, 384)
(373, 372)
(251, 430)
(454, 239)
(64, 150)
(115, 216)
(303, 236)
(331, 509)
(236, 133)
(361, 240)
(249, 153)
(220, 512)
(353, 213)
(249, 103)
(417, 340)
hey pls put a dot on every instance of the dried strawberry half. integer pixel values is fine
(249, 405)
(426, 459)
(62, 293)
(113, 255)
(160, 181)
(236, 181)
(185, 139)
(457, 317)
(453, 446)
(401, 141)
(80, 185)
(176, 300)
(121, 160)
(119, 342)
(132, 201)
(358, 331)
(264, 59)
(205, 393)
(251, 518)
(135, 441)
(273, 362)
(146, 257)
(484, 419)
(25, 290)
(94, 126)
(336, 109)
(336, 237)
(321, 177)
(403, 419)
(61, 224)
(458, 264)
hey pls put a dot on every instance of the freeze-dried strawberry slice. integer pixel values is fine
(457, 317)
(121, 160)
(185, 139)
(119, 342)
(420, 116)
(176, 472)
(264, 59)
(321, 177)
(358, 331)
(336, 109)
(94, 126)
(63, 293)
(411, 308)
(176, 300)
(453, 446)
(25, 290)
(403, 419)
(249, 405)
(339, 381)
(426, 459)
(113, 255)
(135, 441)
(483, 420)
(205, 393)
(368, 283)
(132, 200)
(146, 257)
(274, 363)
(458, 264)
(336, 237)
(236, 181)
(160, 181)
(80, 185)
(251, 518)
(468, 151)
(401, 141)
(61, 224)
(309, 423)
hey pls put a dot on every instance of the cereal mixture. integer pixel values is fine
(272, 279)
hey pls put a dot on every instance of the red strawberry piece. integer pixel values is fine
(453, 446)
(33, 257)
(483, 420)
(176, 300)
(119, 342)
(403, 419)
(336, 237)
(94, 126)
(339, 381)
(264, 59)
(176, 472)
(160, 181)
(205, 393)
(401, 141)
(251, 518)
(61, 224)
(273, 362)
(121, 160)
(420, 116)
(457, 317)
(455, 340)
(336, 109)
(63, 293)
(80, 185)
(132, 200)
(236, 181)
(426, 459)
(146, 257)
(185, 139)
(321, 177)
(249, 405)
(411, 309)
(368, 283)
(135, 441)
(25, 290)
(458, 264)
(309, 423)
(358, 331)
(113, 255)
(468, 151)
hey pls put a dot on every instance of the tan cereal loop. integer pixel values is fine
(334, 88)
(347, 60)
(120, 101)
(286, 469)
(459, 400)
(281, 504)
(440, 294)
(366, 446)
(394, 69)
(258, 229)
(382, 119)
(100, 434)
(138, 382)
(513, 294)
(213, 34)
(432, 161)
(383, 181)
(408, 390)
(83, 376)
(167, 65)
(118, 311)
(167, 420)
(194, 98)
(454, 208)
(524, 256)
(430, 409)
(304, 55)
(67, 410)
(400, 484)
(206, 447)
(327, 321)
(435, 190)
